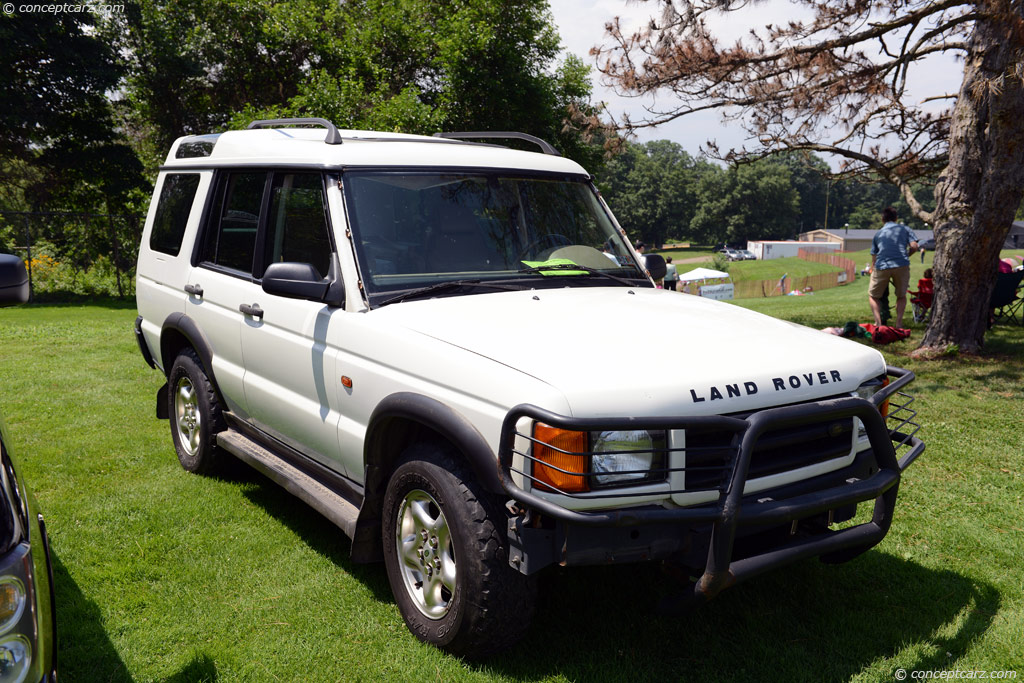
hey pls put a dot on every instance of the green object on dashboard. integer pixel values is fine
(557, 265)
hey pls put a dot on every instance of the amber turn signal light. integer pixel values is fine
(571, 468)
(884, 408)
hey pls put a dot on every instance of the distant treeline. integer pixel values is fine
(659, 192)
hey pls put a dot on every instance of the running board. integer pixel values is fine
(322, 499)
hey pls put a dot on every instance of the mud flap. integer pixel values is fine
(161, 403)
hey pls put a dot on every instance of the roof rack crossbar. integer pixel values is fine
(502, 134)
(333, 136)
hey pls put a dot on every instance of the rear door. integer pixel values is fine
(223, 280)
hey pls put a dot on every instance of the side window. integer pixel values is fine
(231, 232)
(297, 222)
(172, 211)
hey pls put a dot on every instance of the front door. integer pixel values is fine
(289, 368)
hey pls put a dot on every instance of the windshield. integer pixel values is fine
(416, 230)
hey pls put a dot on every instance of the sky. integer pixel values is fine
(581, 24)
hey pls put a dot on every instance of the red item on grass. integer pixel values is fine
(883, 334)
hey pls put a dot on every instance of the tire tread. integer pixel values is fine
(503, 607)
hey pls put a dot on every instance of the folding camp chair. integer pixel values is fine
(1006, 300)
(921, 300)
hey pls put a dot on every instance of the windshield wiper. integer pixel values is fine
(578, 270)
(446, 285)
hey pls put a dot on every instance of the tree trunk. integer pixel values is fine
(982, 186)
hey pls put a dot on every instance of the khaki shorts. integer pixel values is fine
(880, 281)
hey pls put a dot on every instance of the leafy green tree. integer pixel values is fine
(708, 225)
(863, 203)
(864, 217)
(752, 201)
(807, 173)
(418, 66)
(652, 188)
(59, 145)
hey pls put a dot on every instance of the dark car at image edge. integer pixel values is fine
(28, 634)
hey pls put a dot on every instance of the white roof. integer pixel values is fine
(306, 146)
(702, 274)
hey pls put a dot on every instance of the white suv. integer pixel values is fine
(435, 343)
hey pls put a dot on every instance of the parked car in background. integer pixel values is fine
(747, 255)
(732, 254)
(28, 635)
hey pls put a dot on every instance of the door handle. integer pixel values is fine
(195, 290)
(254, 310)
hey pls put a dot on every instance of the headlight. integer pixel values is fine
(574, 462)
(12, 602)
(866, 391)
(631, 455)
(15, 658)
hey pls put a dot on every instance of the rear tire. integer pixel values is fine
(195, 414)
(446, 552)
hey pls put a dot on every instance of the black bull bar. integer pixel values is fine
(729, 512)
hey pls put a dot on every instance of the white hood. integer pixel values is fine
(629, 351)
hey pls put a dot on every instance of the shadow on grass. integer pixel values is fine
(200, 670)
(84, 649)
(1005, 342)
(312, 527)
(808, 622)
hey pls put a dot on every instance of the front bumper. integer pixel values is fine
(653, 531)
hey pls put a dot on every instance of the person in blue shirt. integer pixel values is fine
(890, 261)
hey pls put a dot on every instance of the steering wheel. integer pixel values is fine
(555, 239)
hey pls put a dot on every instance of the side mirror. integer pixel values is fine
(655, 266)
(13, 280)
(303, 281)
(295, 281)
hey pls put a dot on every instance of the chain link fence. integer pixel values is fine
(74, 254)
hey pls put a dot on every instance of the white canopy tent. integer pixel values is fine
(699, 276)
(702, 274)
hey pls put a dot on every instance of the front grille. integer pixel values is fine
(709, 454)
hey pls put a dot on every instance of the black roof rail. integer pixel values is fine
(333, 136)
(502, 134)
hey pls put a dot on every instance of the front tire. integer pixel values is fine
(195, 414)
(446, 553)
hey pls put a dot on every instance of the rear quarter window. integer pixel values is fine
(172, 211)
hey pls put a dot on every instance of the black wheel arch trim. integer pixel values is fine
(187, 327)
(430, 414)
(143, 346)
(440, 418)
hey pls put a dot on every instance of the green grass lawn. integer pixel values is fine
(166, 576)
(773, 269)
